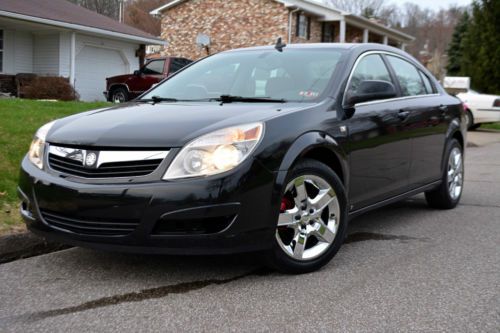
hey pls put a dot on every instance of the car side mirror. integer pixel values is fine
(137, 72)
(370, 90)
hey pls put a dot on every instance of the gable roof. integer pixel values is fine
(63, 13)
(327, 12)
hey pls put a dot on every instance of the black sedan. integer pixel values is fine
(269, 149)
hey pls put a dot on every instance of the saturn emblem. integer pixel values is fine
(90, 159)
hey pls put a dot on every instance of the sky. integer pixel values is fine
(434, 4)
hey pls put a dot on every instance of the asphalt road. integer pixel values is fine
(404, 268)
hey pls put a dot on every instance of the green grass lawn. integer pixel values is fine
(19, 120)
(494, 126)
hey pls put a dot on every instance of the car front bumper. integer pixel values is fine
(234, 212)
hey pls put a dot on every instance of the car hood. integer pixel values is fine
(163, 125)
(119, 78)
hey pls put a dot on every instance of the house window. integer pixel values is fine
(328, 33)
(1, 51)
(303, 26)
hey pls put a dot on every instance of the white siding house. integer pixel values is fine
(40, 37)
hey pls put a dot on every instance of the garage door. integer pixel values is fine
(93, 66)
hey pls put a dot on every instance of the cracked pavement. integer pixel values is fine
(405, 267)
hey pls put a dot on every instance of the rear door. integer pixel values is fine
(378, 141)
(426, 123)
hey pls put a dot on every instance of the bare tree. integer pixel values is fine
(110, 8)
(359, 7)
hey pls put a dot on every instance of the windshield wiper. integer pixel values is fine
(158, 99)
(230, 99)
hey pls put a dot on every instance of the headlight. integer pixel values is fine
(216, 152)
(35, 153)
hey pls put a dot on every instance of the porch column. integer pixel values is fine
(366, 33)
(72, 59)
(386, 40)
(342, 31)
(403, 46)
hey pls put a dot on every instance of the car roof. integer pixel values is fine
(345, 46)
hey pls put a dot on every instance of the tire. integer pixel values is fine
(449, 192)
(119, 95)
(305, 245)
(469, 119)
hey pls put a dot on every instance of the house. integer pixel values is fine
(240, 23)
(58, 38)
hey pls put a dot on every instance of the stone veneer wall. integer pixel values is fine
(230, 24)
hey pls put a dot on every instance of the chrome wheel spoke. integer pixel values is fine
(323, 233)
(455, 173)
(288, 217)
(301, 193)
(300, 245)
(323, 199)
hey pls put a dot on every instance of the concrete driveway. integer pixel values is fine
(403, 268)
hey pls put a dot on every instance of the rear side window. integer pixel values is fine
(154, 67)
(371, 67)
(408, 76)
(176, 64)
(427, 83)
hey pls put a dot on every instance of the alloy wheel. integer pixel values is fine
(309, 218)
(455, 173)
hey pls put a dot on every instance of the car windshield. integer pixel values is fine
(256, 75)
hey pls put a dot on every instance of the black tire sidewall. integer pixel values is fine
(117, 91)
(283, 262)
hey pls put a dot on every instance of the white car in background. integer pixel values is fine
(480, 108)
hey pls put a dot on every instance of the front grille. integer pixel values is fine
(105, 170)
(104, 227)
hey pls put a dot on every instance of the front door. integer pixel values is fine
(378, 141)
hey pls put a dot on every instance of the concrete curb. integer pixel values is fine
(25, 245)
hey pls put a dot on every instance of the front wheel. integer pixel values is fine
(448, 194)
(119, 95)
(312, 221)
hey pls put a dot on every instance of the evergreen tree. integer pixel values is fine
(481, 47)
(455, 48)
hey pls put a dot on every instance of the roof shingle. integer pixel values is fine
(67, 12)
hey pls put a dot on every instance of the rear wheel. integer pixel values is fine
(119, 95)
(469, 119)
(312, 221)
(448, 194)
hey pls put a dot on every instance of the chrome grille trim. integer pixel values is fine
(104, 163)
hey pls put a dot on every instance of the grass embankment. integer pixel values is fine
(494, 126)
(19, 120)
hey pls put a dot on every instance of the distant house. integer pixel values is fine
(242, 23)
(58, 38)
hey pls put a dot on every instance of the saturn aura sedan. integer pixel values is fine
(268, 149)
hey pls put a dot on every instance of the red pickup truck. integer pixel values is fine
(123, 88)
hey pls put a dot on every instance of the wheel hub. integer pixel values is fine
(302, 232)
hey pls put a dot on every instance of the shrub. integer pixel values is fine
(50, 87)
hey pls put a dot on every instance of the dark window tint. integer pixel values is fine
(409, 79)
(176, 64)
(371, 67)
(154, 67)
(427, 83)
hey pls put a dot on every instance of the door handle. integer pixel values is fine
(403, 114)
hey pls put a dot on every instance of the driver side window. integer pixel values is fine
(154, 67)
(371, 67)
